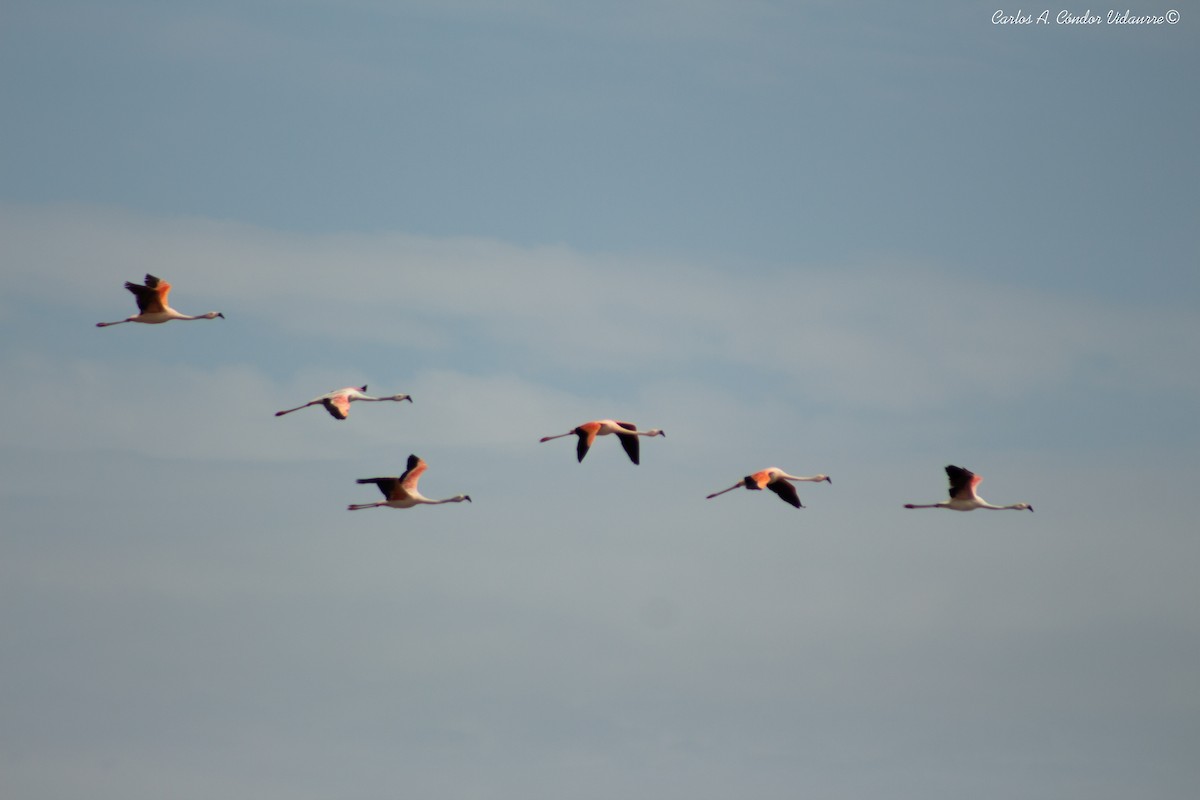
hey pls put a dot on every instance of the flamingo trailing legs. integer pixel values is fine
(152, 304)
(777, 481)
(627, 432)
(963, 496)
(337, 402)
(402, 492)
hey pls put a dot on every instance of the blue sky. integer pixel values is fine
(866, 242)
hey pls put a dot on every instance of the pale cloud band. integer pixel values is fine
(618, 311)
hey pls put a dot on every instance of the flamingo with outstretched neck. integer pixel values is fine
(777, 481)
(152, 304)
(627, 432)
(402, 492)
(963, 496)
(337, 402)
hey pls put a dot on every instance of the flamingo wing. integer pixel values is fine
(962, 482)
(386, 485)
(759, 480)
(151, 298)
(587, 434)
(787, 493)
(416, 468)
(629, 441)
(338, 406)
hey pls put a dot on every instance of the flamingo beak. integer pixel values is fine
(829, 480)
(219, 314)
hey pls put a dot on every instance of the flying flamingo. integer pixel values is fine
(962, 494)
(627, 432)
(152, 304)
(337, 402)
(402, 492)
(776, 480)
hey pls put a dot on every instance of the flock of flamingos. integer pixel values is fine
(402, 492)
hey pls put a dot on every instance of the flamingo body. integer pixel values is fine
(153, 308)
(777, 481)
(963, 496)
(337, 402)
(627, 432)
(402, 492)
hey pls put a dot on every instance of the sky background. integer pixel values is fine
(865, 241)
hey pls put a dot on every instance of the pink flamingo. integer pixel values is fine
(627, 432)
(402, 492)
(337, 402)
(962, 494)
(776, 480)
(152, 304)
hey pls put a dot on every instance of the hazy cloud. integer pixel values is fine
(886, 334)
